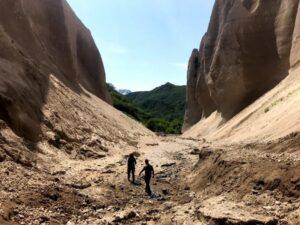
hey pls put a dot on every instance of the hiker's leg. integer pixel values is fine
(148, 189)
(133, 176)
(128, 173)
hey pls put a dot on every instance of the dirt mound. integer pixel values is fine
(243, 182)
(257, 172)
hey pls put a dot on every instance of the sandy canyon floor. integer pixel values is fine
(196, 182)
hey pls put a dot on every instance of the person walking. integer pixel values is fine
(149, 173)
(131, 167)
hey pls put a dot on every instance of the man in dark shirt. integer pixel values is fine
(131, 167)
(149, 172)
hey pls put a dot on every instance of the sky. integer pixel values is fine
(145, 43)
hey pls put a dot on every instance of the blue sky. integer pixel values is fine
(145, 43)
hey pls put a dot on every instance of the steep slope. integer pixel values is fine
(274, 115)
(250, 46)
(39, 39)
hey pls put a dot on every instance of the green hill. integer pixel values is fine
(160, 110)
(166, 101)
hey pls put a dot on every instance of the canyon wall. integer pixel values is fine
(250, 46)
(39, 39)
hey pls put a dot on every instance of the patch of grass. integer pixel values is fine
(267, 110)
(277, 101)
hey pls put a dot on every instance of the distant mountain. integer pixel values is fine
(166, 101)
(121, 91)
(167, 105)
(124, 91)
(160, 110)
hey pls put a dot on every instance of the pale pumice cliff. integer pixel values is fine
(39, 39)
(250, 46)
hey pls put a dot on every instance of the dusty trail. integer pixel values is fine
(60, 190)
(124, 203)
(196, 183)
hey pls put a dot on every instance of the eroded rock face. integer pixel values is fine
(249, 47)
(193, 111)
(39, 38)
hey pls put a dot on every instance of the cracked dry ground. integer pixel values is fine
(196, 183)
